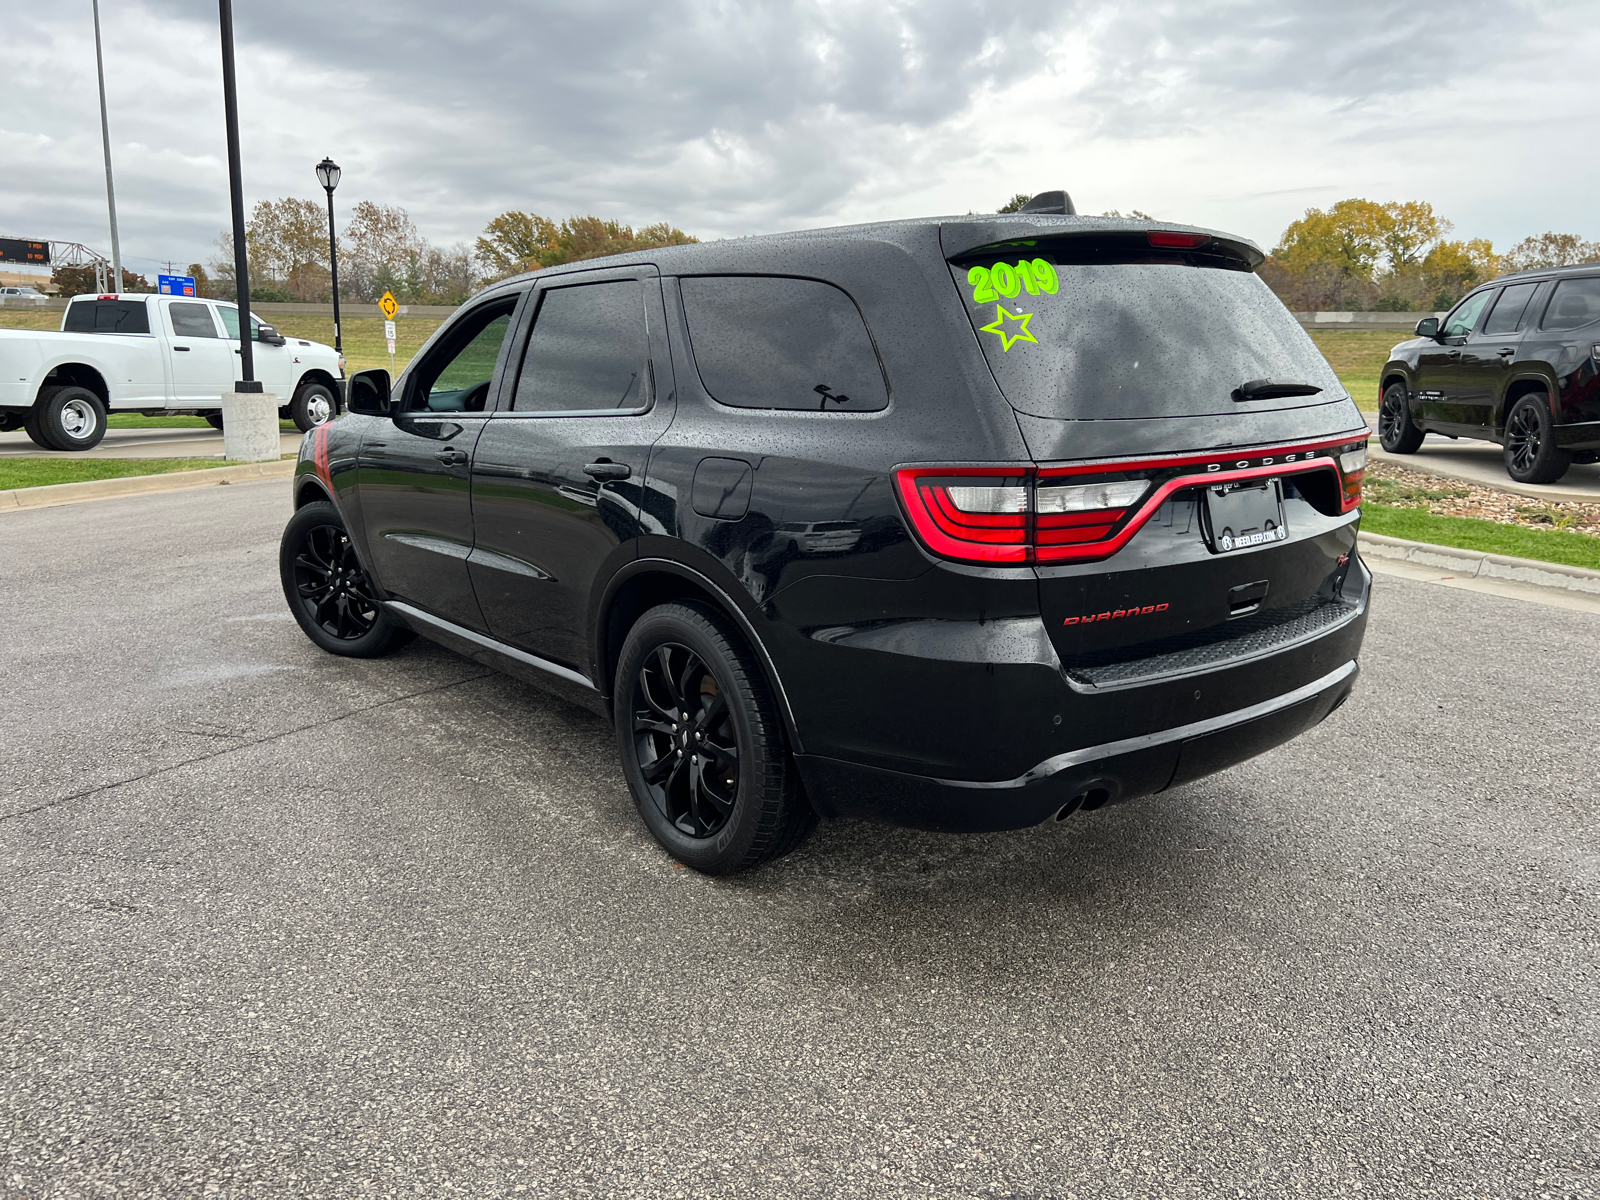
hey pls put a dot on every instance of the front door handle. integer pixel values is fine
(185, 349)
(1508, 351)
(607, 470)
(451, 457)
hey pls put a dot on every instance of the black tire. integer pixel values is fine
(1530, 449)
(1397, 432)
(689, 693)
(312, 405)
(328, 590)
(67, 418)
(214, 419)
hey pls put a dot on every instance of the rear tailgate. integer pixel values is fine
(1198, 464)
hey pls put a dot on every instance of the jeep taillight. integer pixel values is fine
(1086, 512)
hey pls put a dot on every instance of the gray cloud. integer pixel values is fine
(724, 118)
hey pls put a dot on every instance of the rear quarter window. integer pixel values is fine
(1095, 329)
(107, 316)
(775, 342)
(1575, 302)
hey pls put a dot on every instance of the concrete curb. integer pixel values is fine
(1475, 564)
(137, 485)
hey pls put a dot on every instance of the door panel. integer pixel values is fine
(545, 526)
(1488, 356)
(414, 482)
(202, 363)
(1444, 385)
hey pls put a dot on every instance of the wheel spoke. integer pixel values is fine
(674, 694)
(656, 772)
(715, 711)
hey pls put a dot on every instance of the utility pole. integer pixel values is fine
(105, 137)
(241, 265)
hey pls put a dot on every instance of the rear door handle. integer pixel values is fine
(451, 457)
(607, 470)
(1507, 351)
(185, 349)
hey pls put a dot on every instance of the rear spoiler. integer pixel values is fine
(1001, 234)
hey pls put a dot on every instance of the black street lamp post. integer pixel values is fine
(328, 176)
(241, 265)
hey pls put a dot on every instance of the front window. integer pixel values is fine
(456, 375)
(1464, 319)
(230, 323)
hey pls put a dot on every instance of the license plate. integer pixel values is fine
(1240, 516)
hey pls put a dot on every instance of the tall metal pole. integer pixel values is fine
(333, 270)
(241, 265)
(105, 137)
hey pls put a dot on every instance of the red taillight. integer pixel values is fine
(1181, 241)
(1089, 511)
(976, 514)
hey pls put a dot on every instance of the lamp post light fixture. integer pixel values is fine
(328, 176)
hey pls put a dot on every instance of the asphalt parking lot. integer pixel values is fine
(278, 924)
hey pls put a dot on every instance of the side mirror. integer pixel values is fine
(268, 334)
(367, 392)
(1428, 327)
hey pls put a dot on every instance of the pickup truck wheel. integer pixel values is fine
(1531, 453)
(1396, 432)
(312, 406)
(214, 419)
(328, 590)
(67, 418)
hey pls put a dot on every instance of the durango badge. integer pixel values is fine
(1117, 614)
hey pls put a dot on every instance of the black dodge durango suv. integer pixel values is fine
(959, 523)
(1516, 362)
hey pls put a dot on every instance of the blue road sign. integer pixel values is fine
(175, 285)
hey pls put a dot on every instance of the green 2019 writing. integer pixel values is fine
(1003, 279)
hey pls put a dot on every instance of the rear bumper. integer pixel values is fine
(1584, 435)
(1104, 774)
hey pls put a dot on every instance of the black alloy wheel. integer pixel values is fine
(703, 747)
(1396, 432)
(688, 749)
(328, 590)
(1531, 454)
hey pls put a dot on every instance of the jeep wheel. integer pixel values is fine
(1531, 453)
(1396, 431)
(703, 747)
(67, 418)
(313, 405)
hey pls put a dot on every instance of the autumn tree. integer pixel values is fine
(1015, 203)
(515, 241)
(1551, 250)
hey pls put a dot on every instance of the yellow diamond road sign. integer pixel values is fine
(389, 306)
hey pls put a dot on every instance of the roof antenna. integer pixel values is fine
(1058, 203)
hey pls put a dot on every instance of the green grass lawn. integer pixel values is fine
(1469, 533)
(39, 472)
(135, 421)
(1357, 357)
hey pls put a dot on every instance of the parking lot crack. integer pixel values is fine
(241, 745)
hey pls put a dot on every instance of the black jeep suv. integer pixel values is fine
(956, 523)
(1516, 363)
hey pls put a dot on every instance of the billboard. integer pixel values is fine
(20, 250)
(175, 285)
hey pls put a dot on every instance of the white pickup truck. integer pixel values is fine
(152, 355)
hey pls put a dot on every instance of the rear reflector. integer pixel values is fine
(1026, 514)
(1181, 241)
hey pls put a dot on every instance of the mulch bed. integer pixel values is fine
(1386, 483)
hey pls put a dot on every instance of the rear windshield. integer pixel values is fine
(1102, 329)
(107, 316)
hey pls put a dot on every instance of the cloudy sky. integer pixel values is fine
(730, 119)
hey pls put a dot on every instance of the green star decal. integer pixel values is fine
(998, 326)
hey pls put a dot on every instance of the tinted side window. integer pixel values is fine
(192, 320)
(1576, 302)
(588, 352)
(1507, 314)
(1465, 318)
(770, 342)
(456, 375)
(107, 316)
